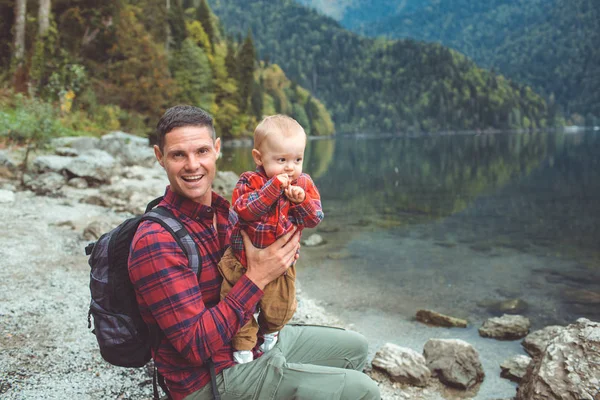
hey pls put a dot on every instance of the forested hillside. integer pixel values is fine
(382, 85)
(549, 44)
(89, 66)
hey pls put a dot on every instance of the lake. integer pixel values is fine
(468, 225)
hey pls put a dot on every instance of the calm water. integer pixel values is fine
(458, 224)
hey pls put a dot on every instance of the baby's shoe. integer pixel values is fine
(270, 341)
(243, 356)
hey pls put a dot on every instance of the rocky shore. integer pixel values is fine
(86, 186)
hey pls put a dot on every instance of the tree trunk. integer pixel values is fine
(44, 17)
(19, 78)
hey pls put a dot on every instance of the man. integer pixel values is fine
(307, 363)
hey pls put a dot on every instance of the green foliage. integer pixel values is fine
(137, 76)
(177, 24)
(107, 65)
(32, 123)
(205, 16)
(380, 85)
(288, 98)
(199, 36)
(245, 71)
(191, 69)
(551, 45)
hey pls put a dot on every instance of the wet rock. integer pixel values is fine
(340, 255)
(509, 306)
(402, 364)
(328, 229)
(535, 343)
(569, 367)
(455, 362)
(313, 240)
(46, 183)
(6, 196)
(506, 327)
(581, 296)
(515, 367)
(433, 318)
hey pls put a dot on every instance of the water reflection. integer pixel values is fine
(458, 223)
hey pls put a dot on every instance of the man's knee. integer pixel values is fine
(360, 386)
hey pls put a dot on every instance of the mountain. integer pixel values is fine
(379, 85)
(551, 45)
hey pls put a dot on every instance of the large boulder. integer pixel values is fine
(128, 149)
(402, 364)
(48, 183)
(535, 343)
(569, 367)
(96, 166)
(455, 362)
(51, 163)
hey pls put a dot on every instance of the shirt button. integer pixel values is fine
(209, 210)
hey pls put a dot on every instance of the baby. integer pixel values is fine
(268, 203)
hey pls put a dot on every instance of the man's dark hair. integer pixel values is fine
(182, 115)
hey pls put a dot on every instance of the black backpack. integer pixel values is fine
(122, 334)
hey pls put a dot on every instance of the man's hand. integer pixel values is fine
(284, 179)
(295, 193)
(268, 264)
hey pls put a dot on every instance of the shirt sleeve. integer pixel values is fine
(309, 213)
(168, 288)
(252, 199)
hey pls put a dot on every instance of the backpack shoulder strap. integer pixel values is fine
(179, 232)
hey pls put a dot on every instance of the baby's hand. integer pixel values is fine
(295, 194)
(284, 179)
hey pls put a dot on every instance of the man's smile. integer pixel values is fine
(192, 178)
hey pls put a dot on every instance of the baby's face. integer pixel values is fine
(283, 154)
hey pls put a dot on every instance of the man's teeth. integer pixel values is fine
(192, 177)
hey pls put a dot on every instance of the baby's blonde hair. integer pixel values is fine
(275, 125)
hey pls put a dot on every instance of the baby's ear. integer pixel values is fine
(257, 157)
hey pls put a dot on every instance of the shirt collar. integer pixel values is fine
(261, 171)
(195, 210)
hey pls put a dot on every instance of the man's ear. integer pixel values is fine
(257, 157)
(158, 155)
(218, 146)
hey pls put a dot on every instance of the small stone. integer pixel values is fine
(314, 240)
(6, 196)
(433, 318)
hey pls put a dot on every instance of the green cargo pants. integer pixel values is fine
(308, 362)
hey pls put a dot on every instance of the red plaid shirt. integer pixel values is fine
(187, 309)
(261, 209)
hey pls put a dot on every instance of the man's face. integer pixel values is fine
(189, 157)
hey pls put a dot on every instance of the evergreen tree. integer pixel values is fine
(177, 24)
(230, 60)
(204, 15)
(245, 71)
(192, 72)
